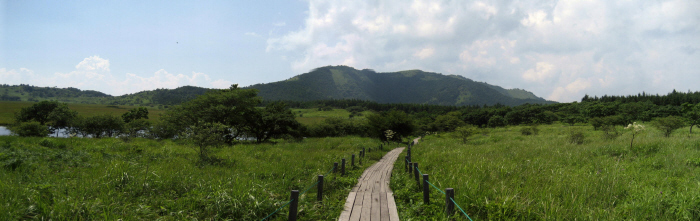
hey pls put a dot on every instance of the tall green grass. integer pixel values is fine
(109, 179)
(505, 175)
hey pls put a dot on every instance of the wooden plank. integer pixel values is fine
(357, 206)
(384, 207)
(367, 208)
(347, 209)
(391, 206)
(376, 207)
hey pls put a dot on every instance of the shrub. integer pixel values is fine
(497, 121)
(464, 132)
(51, 144)
(610, 132)
(30, 129)
(669, 124)
(531, 130)
(576, 137)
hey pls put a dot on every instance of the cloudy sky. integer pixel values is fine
(560, 50)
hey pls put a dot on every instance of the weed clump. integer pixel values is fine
(531, 130)
(576, 137)
(610, 132)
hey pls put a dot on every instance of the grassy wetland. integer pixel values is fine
(110, 179)
(504, 175)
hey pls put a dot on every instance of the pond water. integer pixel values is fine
(4, 131)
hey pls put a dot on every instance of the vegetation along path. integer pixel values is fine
(371, 198)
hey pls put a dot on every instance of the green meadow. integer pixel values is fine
(314, 116)
(110, 179)
(501, 174)
(8, 109)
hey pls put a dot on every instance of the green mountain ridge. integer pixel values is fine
(410, 86)
(324, 83)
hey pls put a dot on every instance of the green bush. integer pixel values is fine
(531, 130)
(610, 132)
(669, 124)
(30, 129)
(46, 142)
(576, 137)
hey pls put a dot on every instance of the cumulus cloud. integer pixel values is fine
(560, 50)
(93, 73)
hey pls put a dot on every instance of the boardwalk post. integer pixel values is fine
(363, 152)
(405, 162)
(359, 158)
(426, 193)
(342, 168)
(352, 162)
(293, 206)
(319, 194)
(410, 167)
(335, 167)
(415, 173)
(449, 205)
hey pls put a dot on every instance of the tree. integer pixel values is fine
(98, 126)
(205, 135)
(497, 121)
(464, 133)
(395, 120)
(274, 120)
(135, 114)
(668, 124)
(60, 117)
(448, 122)
(691, 112)
(38, 112)
(230, 107)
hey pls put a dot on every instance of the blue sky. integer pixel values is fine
(560, 50)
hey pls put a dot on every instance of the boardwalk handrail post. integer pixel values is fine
(410, 168)
(319, 194)
(363, 152)
(352, 162)
(405, 162)
(449, 205)
(415, 173)
(426, 190)
(359, 158)
(342, 168)
(293, 205)
(335, 167)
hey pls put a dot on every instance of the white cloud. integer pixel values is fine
(93, 73)
(616, 47)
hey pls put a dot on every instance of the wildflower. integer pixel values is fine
(636, 128)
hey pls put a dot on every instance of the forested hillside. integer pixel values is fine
(412, 86)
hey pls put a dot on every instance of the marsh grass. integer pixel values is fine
(509, 176)
(108, 179)
(7, 112)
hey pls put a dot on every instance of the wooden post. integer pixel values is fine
(352, 162)
(405, 162)
(410, 167)
(319, 194)
(335, 167)
(426, 190)
(359, 158)
(415, 173)
(363, 152)
(449, 205)
(293, 206)
(342, 168)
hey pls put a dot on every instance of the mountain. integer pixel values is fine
(412, 86)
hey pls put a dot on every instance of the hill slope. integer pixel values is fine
(412, 86)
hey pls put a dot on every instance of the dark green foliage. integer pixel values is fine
(397, 121)
(230, 107)
(38, 112)
(692, 114)
(30, 129)
(273, 121)
(204, 136)
(674, 98)
(530, 130)
(135, 114)
(497, 121)
(668, 124)
(576, 137)
(610, 132)
(447, 122)
(413, 86)
(103, 125)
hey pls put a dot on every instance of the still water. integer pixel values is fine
(6, 132)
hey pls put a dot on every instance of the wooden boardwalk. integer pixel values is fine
(371, 199)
